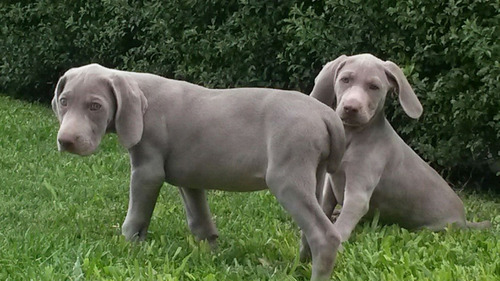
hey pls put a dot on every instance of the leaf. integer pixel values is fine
(51, 189)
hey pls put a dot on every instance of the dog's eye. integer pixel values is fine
(373, 87)
(345, 80)
(94, 106)
(63, 101)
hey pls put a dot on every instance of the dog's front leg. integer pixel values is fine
(357, 193)
(328, 200)
(147, 177)
(198, 215)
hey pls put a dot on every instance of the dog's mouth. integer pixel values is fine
(352, 120)
(80, 147)
(351, 124)
(77, 151)
(355, 119)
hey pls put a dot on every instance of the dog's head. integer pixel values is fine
(356, 87)
(91, 100)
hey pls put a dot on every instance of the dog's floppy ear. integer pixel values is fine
(131, 104)
(324, 83)
(57, 92)
(407, 98)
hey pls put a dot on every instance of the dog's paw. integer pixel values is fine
(134, 234)
(335, 215)
(212, 242)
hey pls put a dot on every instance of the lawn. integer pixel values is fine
(60, 218)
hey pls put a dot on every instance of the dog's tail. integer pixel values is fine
(337, 141)
(478, 225)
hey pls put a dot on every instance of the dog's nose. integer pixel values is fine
(66, 143)
(351, 108)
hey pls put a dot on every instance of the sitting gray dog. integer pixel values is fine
(196, 138)
(379, 171)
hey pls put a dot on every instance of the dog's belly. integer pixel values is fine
(226, 171)
(229, 181)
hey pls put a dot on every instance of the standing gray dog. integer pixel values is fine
(197, 138)
(379, 171)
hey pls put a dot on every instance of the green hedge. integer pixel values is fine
(449, 50)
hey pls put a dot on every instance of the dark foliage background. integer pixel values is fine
(449, 50)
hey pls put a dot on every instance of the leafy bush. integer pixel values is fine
(448, 49)
(457, 74)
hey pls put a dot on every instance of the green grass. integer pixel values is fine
(60, 216)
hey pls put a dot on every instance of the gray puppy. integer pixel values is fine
(196, 138)
(379, 170)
